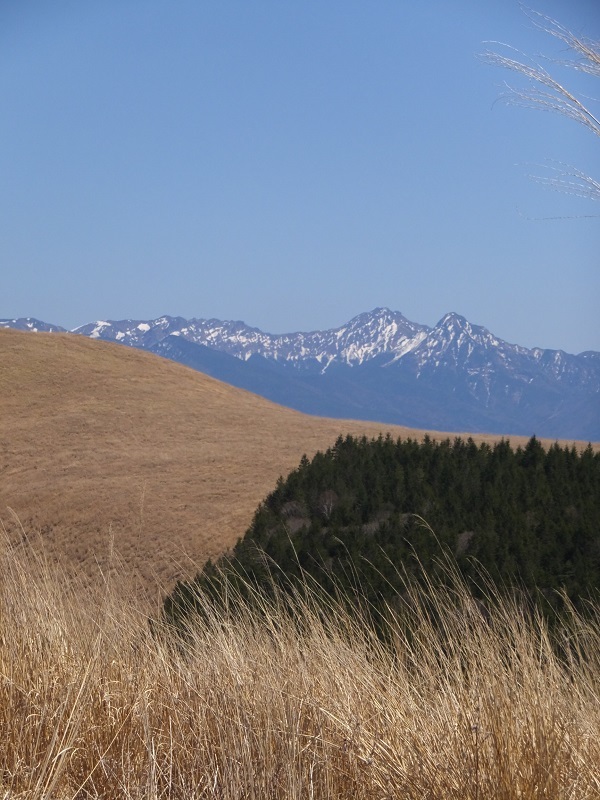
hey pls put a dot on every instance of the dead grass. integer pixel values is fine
(93, 705)
(102, 445)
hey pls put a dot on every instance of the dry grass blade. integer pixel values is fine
(544, 92)
(256, 702)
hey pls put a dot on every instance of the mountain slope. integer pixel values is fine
(103, 444)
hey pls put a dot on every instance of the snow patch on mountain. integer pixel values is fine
(31, 324)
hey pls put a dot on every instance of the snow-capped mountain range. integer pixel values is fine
(382, 366)
(364, 337)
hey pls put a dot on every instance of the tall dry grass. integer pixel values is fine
(94, 702)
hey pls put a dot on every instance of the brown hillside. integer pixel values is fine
(103, 444)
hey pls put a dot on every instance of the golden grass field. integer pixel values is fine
(104, 447)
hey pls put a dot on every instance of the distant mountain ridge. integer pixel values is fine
(364, 337)
(381, 366)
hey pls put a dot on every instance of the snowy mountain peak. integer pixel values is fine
(31, 324)
(380, 318)
(454, 322)
(452, 318)
(376, 333)
(456, 330)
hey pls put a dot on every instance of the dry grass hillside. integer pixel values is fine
(104, 447)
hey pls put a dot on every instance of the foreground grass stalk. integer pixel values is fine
(459, 702)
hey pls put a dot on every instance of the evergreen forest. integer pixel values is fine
(366, 516)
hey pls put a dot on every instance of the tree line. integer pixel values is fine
(366, 515)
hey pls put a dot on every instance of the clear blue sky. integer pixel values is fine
(291, 164)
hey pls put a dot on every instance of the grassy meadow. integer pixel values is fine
(95, 702)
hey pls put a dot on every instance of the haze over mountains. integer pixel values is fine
(382, 367)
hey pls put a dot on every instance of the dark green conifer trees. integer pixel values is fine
(369, 513)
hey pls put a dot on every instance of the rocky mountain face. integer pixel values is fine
(381, 366)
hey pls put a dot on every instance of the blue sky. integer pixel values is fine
(290, 164)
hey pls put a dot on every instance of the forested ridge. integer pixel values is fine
(367, 514)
